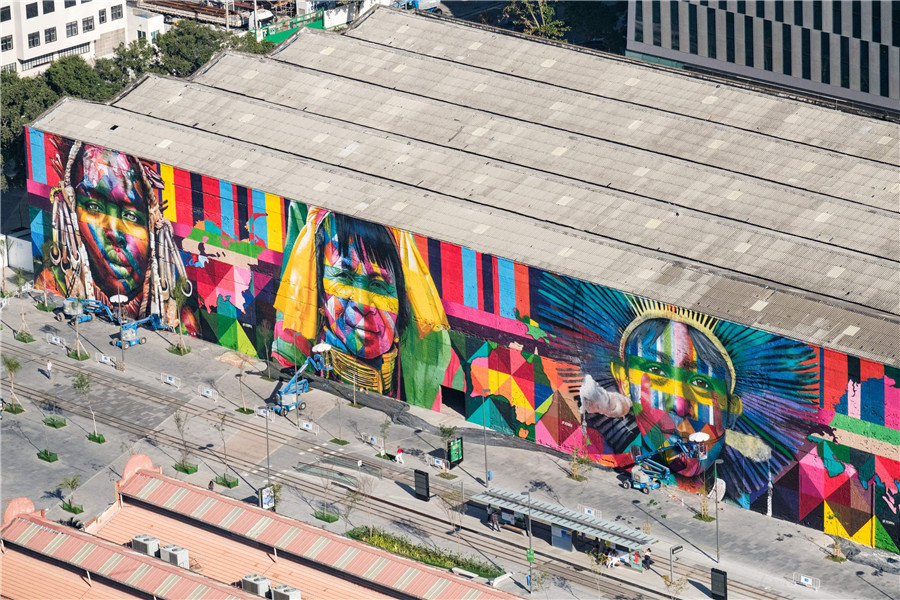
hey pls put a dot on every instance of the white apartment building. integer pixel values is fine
(33, 33)
(848, 49)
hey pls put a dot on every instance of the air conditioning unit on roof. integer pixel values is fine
(175, 555)
(255, 584)
(285, 592)
(146, 544)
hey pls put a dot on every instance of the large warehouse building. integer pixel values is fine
(583, 250)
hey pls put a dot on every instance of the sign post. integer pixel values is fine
(423, 488)
(719, 584)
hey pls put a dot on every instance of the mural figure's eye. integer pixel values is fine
(657, 370)
(701, 383)
(381, 286)
(344, 276)
(130, 215)
(92, 206)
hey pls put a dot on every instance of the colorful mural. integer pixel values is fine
(804, 433)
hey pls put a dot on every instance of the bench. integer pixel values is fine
(513, 528)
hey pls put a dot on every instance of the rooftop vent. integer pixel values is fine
(285, 592)
(175, 555)
(145, 544)
(255, 584)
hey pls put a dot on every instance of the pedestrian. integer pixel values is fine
(399, 457)
(49, 370)
(211, 486)
(495, 520)
(647, 560)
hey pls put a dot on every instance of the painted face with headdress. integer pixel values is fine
(112, 208)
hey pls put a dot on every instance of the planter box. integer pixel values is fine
(48, 456)
(229, 482)
(97, 438)
(55, 422)
(186, 468)
(14, 409)
(72, 508)
(24, 338)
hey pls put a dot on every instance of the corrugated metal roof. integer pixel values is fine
(692, 235)
(629, 81)
(114, 562)
(285, 534)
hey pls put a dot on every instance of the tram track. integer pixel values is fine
(433, 525)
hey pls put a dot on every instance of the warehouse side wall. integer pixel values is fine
(805, 434)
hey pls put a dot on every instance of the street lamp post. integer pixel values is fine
(716, 484)
(672, 552)
(484, 394)
(268, 466)
(530, 562)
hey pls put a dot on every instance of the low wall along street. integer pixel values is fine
(811, 432)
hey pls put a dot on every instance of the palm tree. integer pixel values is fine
(12, 365)
(71, 483)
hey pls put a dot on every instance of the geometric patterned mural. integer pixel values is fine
(806, 434)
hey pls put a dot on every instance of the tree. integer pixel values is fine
(248, 43)
(134, 60)
(23, 100)
(20, 280)
(327, 485)
(46, 263)
(352, 499)
(12, 365)
(180, 296)
(188, 46)
(451, 502)
(81, 383)
(385, 427)
(79, 350)
(71, 483)
(220, 427)
(579, 460)
(537, 18)
(72, 76)
(540, 581)
(674, 585)
(448, 434)
(596, 566)
(245, 360)
(181, 421)
(365, 486)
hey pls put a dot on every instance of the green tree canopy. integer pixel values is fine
(23, 99)
(72, 76)
(537, 18)
(188, 46)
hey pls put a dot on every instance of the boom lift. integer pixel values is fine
(647, 474)
(128, 334)
(82, 310)
(299, 385)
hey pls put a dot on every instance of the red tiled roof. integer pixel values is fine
(114, 562)
(288, 535)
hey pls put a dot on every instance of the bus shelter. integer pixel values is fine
(626, 543)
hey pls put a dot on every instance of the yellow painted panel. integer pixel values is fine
(167, 173)
(273, 221)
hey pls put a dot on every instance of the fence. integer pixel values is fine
(55, 340)
(310, 427)
(170, 380)
(104, 359)
(806, 581)
(208, 392)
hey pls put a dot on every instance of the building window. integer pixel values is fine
(5, 14)
(50, 35)
(141, 35)
(657, 22)
(864, 66)
(895, 23)
(153, 36)
(639, 21)
(786, 49)
(34, 40)
(729, 37)
(836, 17)
(71, 28)
(856, 13)
(102, 16)
(711, 32)
(748, 41)
(37, 61)
(798, 13)
(742, 7)
(692, 28)
(10, 68)
(6, 43)
(116, 12)
(876, 21)
(723, 4)
(767, 45)
(79, 49)
(49, 6)
(87, 24)
(817, 14)
(761, 9)
(674, 25)
(69, 3)
(779, 11)
(806, 54)
(845, 62)
(826, 57)
(31, 10)
(883, 71)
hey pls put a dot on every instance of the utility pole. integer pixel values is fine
(484, 394)
(530, 550)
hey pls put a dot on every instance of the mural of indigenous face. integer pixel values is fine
(113, 219)
(679, 381)
(360, 293)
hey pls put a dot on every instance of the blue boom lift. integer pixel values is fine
(298, 385)
(82, 310)
(647, 474)
(128, 334)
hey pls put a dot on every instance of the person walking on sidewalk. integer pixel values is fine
(399, 457)
(49, 370)
(495, 520)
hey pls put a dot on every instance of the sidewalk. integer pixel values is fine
(753, 548)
